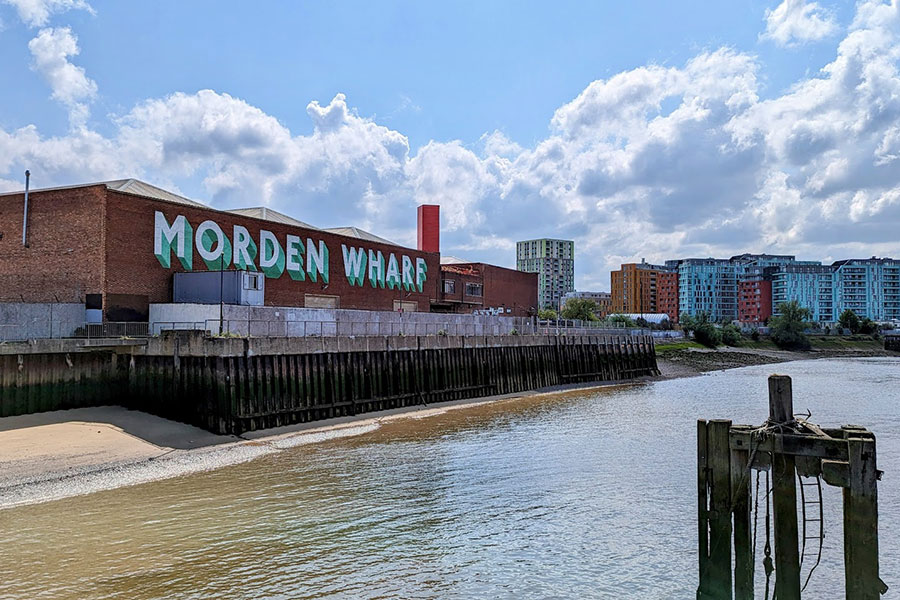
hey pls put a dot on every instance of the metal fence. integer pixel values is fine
(335, 328)
(113, 329)
(339, 328)
(158, 327)
(577, 327)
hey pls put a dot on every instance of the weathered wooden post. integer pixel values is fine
(718, 459)
(727, 454)
(784, 495)
(740, 502)
(702, 506)
(861, 520)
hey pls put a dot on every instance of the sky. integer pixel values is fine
(652, 130)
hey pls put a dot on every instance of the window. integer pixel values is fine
(252, 281)
(449, 286)
(473, 289)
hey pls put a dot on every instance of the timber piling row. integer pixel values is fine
(233, 392)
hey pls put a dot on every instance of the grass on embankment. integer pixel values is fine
(854, 342)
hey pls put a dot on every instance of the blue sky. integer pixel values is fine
(645, 129)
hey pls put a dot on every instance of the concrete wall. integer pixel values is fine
(274, 321)
(25, 321)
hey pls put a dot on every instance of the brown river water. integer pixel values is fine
(585, 494)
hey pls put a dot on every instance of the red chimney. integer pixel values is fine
(429, 217)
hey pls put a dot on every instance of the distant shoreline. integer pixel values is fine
(676, 361)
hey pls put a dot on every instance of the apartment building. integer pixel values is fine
(869, 287)
(554, 262)
(602, 299)
(645, 288)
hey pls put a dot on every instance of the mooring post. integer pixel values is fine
(702, 509)
(743, 539)
(784, 496)
(719, 461)
(861, 522)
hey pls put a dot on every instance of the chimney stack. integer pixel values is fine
(429, 227)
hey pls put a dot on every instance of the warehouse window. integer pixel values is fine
(252, 281)
(449, 286)
(473, 289)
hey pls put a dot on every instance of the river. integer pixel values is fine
(584, 494)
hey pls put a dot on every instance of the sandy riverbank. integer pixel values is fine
(53, 455)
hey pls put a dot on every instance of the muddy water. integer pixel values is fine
(575, 495)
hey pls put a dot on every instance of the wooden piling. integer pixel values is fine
(784, 496)
(719, 463)
(861, 522)
(702, 506)
(743, 544)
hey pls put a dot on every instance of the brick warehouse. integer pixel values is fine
(487, 289)
(116, 246)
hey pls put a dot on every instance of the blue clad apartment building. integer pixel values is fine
(711, 285)
(811, 285)
(707, 285)
(869, 287)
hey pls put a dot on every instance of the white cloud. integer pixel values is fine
(36, 13)
(497, 144)
(795, 21)
(655, 162)
(51, 50)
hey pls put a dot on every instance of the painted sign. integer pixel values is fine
(302, 259)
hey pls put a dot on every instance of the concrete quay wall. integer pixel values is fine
(233, 385)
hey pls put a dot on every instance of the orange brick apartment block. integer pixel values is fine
(645, 288)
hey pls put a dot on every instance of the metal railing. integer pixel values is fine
(113, 329)
(157, 327)
(300, 328)
(578, 327)
(338, 328)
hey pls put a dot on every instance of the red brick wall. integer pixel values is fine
(64, 257)
(133, 269)
(502, 288)
(510, 288)
(667, 294)
(460, 277)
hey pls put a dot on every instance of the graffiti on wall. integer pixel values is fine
(302, 259)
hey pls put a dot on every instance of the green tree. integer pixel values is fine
(849, 320)
(547, 314)
(705, 332)
(708, 334)
(731, 335)
(687, 322)
(625, 320)
(583, 309)
(868, 326)
(788, 326)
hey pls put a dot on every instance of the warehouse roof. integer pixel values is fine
(267, 214)
(453, 260)
(358, 233)
(142, 188)
(129, 186)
